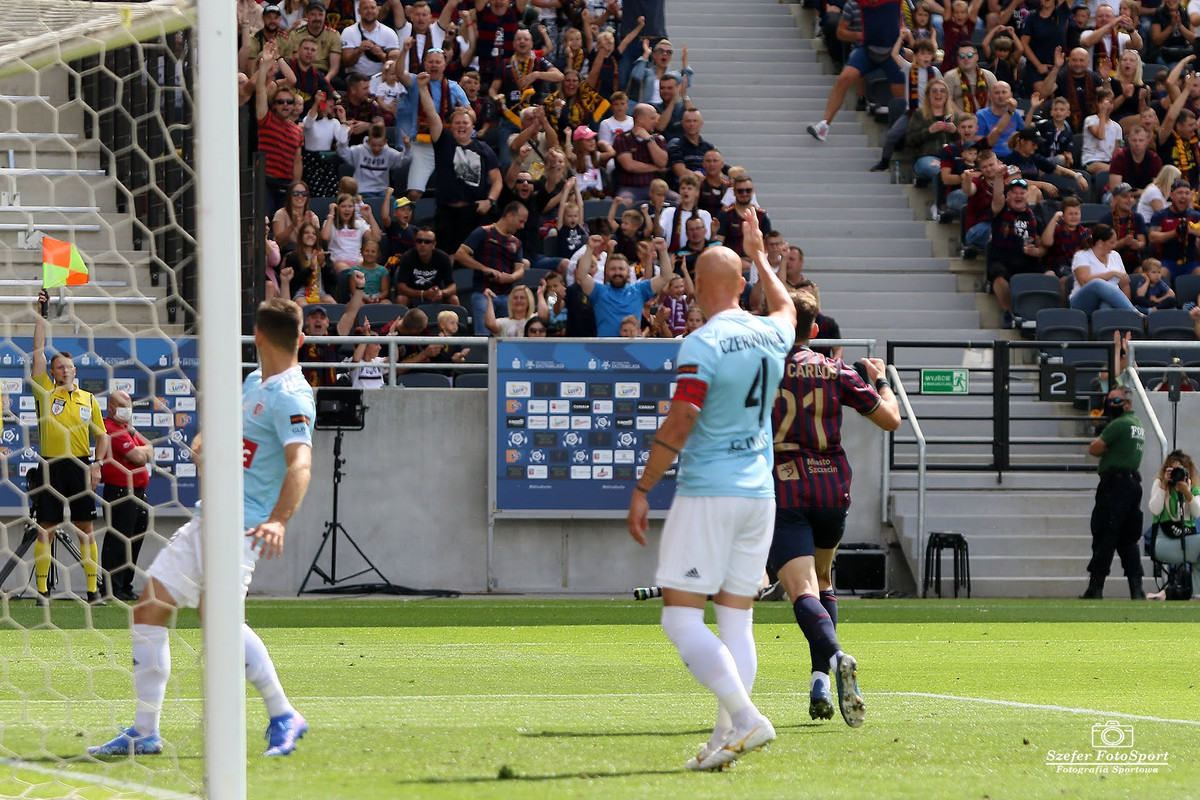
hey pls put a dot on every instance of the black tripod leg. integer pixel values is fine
(18, 555)
(330, 527)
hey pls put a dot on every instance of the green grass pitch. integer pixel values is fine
(537, 698)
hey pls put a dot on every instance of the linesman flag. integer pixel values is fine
(61, 264)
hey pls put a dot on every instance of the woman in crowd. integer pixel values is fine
(289, 218)
(1154, 196)
(521, 309)
(345, 230)
(1100, 277)
(321, 131)
(1175, 504)
(1130, 94)
(931, 128)
(309, 269)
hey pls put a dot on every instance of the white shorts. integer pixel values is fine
(180, 565)
(714, 543)
(421, 167)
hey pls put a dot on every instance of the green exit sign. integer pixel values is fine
(945, 381)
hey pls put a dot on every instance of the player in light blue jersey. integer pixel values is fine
(718, 531)
(277, 424)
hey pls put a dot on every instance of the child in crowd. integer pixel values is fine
(922, 25)
(471, 83)
(957, 158)
(694, 322)
(400, 234)
(552, 304)
(1148, 289)
(377, 288)
(675, 302)
(1100, 134)
(919, 72)
(387, 90)
(630, 328)
(1063, 237)
(619, 121)
(572, 234)
(632, 228)
(1057, 135)
(958, 25)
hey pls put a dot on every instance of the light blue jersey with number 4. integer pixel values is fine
(740, 358)
(275, 413)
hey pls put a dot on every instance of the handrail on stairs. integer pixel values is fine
(1140, 389)
(902, 396)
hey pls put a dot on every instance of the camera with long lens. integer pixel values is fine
(1178, 475)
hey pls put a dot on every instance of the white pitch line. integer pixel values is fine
(1041, 707)
(98, 780)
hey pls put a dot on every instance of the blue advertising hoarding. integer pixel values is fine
(574, 419)
(160, 375)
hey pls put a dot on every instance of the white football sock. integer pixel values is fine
(735, 626)
(260, 671)
(151, 669)
(709, 661)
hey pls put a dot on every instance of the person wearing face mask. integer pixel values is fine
(1117, 515)
(125, 475)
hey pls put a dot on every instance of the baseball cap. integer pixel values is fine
(314, 4)
(272, 9)
(1019, 183)
(1121, 188)
(401, 202)
(1180, 184)
(1029, 135)
(583, 132)
(314, 309)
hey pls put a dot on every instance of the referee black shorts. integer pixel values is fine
(64, 482)
(799, 531)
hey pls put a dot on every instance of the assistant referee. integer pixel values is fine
(69, 420)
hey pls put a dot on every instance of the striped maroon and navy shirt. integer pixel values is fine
(279, 139)
(626, 142)
(811, 468)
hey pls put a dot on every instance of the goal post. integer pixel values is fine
(219, 255)
(61, 178)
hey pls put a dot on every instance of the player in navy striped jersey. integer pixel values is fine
(812, 489)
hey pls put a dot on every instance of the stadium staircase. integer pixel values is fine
(888, 274)
(56, 181)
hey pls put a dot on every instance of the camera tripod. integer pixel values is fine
(61, 537)
(334, 529)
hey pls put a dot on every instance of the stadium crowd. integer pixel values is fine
(1062, 135)
(523, 159)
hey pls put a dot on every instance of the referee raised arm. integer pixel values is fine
(69, 420)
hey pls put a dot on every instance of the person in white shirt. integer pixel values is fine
(619, 121)
(1100, 277)
(1100, 133)
(366, 44)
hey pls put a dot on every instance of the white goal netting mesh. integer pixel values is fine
(95, 150)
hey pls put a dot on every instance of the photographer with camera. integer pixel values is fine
(1175, 504)
(1117, 515)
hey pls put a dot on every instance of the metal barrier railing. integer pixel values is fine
(953, 451)
(910, 414)
(1174, 367)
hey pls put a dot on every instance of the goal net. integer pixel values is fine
(98, 150)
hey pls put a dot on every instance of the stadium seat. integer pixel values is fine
(1088, 363)
(897, 108)
(1094, 212)
(1150, 72)
(1153, 356)
(433, 309)
(1107, 320)
(550, 245)
(424, 380)
(1099, 186)
(472, 380)
(1077, 149)
(380, 314)
(532, 277)
(464, 280)
(1187, 289)
(596, 208)
(1062, 325)
(1171, 323)
(1030, 294)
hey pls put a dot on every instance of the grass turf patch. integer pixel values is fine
(514, 698)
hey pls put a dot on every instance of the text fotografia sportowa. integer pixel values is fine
(1112, 753)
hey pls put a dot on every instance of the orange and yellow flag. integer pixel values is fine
(61, 264)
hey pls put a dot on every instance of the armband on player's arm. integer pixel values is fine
(691, 390)
(882, 383)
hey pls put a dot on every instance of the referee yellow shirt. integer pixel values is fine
(65, 419)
